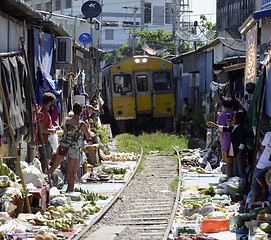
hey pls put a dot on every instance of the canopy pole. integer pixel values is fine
(14, 147)
(258, 127)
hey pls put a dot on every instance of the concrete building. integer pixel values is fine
(120, 16)
(230, 14)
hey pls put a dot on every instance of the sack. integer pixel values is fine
(53, 139)
(63, 150)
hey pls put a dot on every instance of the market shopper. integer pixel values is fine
(259, 187)
(47, 128)
(75, 131)
(89, 108)
(238, 143)
(186, 110)
(225, 140)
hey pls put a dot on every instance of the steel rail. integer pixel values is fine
(172, 216)
(109, 206)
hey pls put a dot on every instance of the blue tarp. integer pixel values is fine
(268, 90)
(45, 84)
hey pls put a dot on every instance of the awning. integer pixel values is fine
(234, 67)
(262, 14)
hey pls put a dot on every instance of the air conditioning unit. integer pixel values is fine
(63, 50)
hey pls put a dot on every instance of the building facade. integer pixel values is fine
(232, 13)
(120, 16)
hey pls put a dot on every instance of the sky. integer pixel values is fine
(206, 7)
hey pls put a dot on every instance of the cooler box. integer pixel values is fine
(40, 194)
(214, 225)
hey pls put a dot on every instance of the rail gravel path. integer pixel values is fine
(146, 205)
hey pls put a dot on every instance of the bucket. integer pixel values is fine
(233, 220)
(214, 225)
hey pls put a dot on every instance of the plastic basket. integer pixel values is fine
(215, 224)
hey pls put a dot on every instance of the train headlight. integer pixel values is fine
(119, 112)
(144, 60)
(169, 109)
(139, 60)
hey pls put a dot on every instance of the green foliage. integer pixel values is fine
(158, 141)
(174, 184)
(207, 25)
(158, 39)
(198, 119)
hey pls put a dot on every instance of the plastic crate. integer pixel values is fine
(214, 224)
(185, 226)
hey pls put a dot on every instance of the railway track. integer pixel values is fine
(145, 207)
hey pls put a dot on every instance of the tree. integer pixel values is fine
(158, 40)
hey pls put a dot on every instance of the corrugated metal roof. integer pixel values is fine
(20, 10)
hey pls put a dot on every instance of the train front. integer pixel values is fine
(143, 94)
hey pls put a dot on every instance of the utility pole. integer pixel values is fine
(135, 9)
(134, 30)
(173, 8)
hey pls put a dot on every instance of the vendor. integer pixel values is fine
(238, 143)
(47, 128)
(225, 140)
(259, 187)
(89, 108)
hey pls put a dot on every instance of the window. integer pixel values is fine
(68, 3)
(47, 7)
(38, 6)
(110, 24)
(129, 24)
(158, 15)
(161, 81)
(168, 11)
(142, 83)
(147, 13)
(58, 5)
(109, 34)
(122, 83)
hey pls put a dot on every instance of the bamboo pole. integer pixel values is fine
(14, 147)
(37, 115)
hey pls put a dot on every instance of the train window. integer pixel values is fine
(142, 83)
(122, 83)
(161, 81)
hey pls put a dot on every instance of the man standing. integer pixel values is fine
(46, 128)
(186, 110)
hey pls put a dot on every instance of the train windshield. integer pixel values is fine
(161, 81)
(142, 83)
(122, 83)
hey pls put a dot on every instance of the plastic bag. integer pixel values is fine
(36, 163)
(33, 175)
(53, 140)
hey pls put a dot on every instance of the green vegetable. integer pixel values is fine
(209, 191)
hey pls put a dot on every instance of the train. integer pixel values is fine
(138, 94)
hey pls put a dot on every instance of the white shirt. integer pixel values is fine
(264, 158)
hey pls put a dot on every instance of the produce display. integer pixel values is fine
(89, 196)
(119, 157)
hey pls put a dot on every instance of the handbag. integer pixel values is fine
(63, 150)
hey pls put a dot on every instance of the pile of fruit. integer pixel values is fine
(115, 157)
(63, 218)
